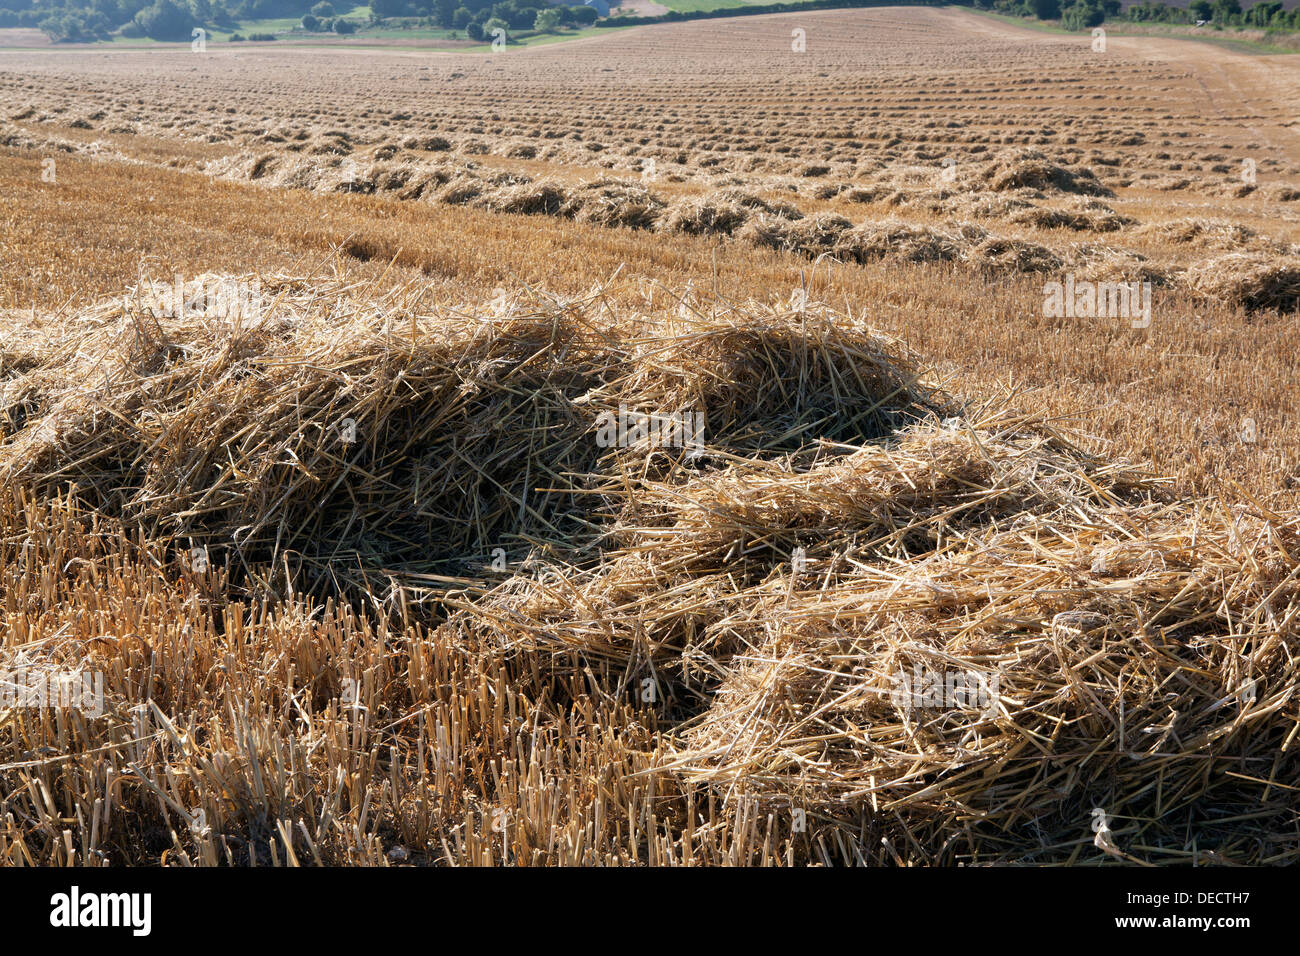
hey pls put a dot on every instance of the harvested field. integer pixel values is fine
(684, 466)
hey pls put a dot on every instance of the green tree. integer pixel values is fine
(1225, 11)
(548, 20)
(323, 9)
(1083, 16)
(444, 12)
(166, 20)
(1261, 14)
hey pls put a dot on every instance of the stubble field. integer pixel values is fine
(364, 584)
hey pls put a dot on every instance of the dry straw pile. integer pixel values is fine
(1016, 191)
(1250, 279)
(677, 655)
(1007, 189)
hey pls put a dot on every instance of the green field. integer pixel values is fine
(278, 26)
(289, 30)
(360, 14)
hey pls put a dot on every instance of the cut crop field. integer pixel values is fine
(833, 437)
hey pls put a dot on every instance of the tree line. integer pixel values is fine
(87, 20)
(81, 21)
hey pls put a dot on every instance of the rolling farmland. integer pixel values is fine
(834, 437)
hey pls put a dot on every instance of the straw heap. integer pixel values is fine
(941, 634)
